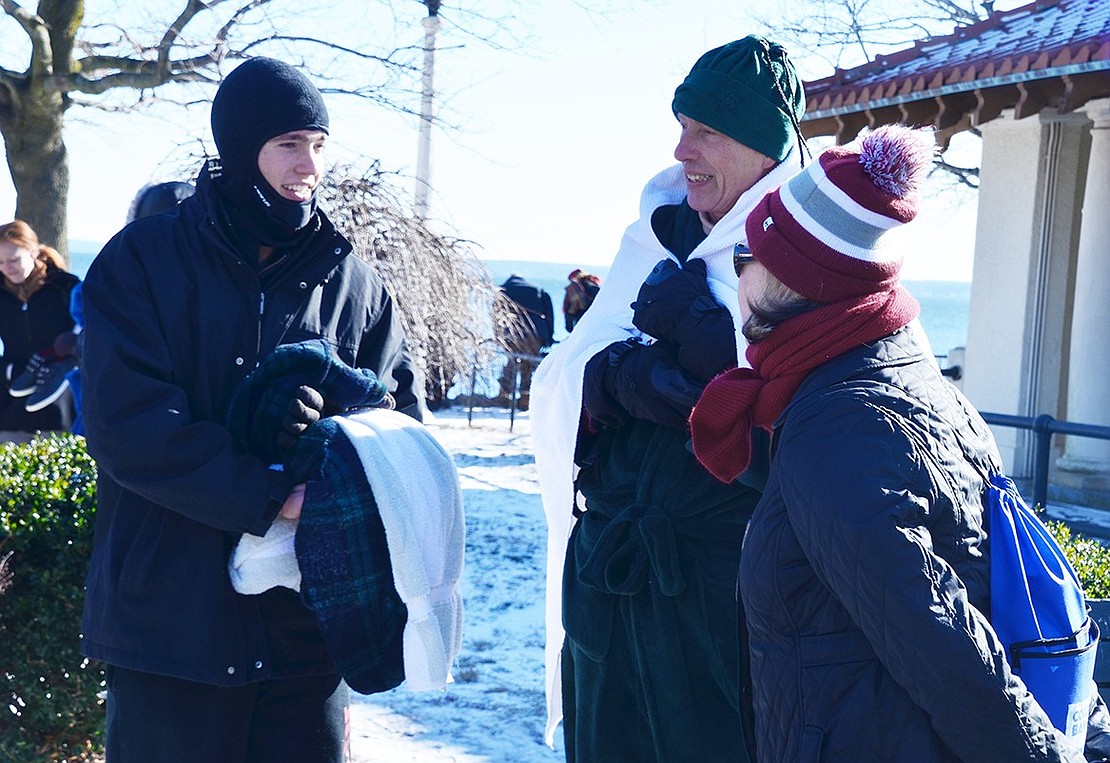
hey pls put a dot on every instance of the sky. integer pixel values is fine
(551, 142)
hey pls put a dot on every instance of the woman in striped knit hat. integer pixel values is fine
(865, 569)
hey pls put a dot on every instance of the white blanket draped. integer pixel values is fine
(417, 489)
(416, 486)
(557, 385)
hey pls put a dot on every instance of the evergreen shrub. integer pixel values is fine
(49, 708)
(1089, 557)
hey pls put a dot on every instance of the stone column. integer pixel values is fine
(1088, 400)
(1031, 184)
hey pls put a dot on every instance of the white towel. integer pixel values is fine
(416, 486)
(261, 563)
(557, 385)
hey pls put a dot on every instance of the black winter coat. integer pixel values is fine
(537, 304)
(865, 576)
(27, 328)
(174, 320)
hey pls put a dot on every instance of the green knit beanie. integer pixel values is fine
(748, 90)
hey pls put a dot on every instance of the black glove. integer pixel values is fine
(632, 380)
(305, 409)
(676, 305)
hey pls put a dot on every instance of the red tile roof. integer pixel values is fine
(1063, 41)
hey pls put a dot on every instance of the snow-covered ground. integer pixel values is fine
(494, 711)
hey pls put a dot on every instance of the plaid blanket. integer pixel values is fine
(346, 578)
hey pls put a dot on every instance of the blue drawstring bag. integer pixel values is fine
(1039, 612)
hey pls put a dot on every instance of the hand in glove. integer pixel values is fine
(630, 379)
(305, 409)
(676, 305)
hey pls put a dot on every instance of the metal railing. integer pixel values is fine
(1043, 427)
(514, 395)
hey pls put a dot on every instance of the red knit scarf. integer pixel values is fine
(736, 400)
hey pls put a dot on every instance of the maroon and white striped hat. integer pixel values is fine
(820, 233)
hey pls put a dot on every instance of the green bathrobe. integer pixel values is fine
(649, 597)
(650, 606)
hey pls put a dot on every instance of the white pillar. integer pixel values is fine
(997, 344)
(1089, 364)
(1031, 183)
(424, 149)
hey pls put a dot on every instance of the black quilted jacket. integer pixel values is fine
(865, 576)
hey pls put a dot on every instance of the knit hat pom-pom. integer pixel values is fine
(897, 158)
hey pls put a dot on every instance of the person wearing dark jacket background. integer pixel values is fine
(537, 334)
(865, 573)
(36, 333)
(179, 308)
(580, 293)
(150, 200)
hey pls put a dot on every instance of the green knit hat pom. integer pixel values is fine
(748, 90)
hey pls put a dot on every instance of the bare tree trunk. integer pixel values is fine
(32, 111)
(39, 165)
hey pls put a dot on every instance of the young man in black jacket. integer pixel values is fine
(180, 307)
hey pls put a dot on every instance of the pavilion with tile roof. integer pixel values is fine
(1035, 82)
(1049, 54)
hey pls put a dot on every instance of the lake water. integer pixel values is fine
(944, 304)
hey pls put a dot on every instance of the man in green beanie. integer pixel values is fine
(644, 544)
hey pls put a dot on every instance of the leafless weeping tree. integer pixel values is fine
(456, 320)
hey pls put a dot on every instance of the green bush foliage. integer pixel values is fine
(49, 709)
(1089, 557)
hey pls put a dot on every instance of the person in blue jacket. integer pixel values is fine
(179, 308)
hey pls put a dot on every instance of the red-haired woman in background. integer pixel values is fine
(37, 334)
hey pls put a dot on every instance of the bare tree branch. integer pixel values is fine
(386, 60)
(116, 61)
(847, 33)
(41, 63)
(966, 176)
(136, 81)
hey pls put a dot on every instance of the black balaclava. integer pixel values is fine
(259, 100)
